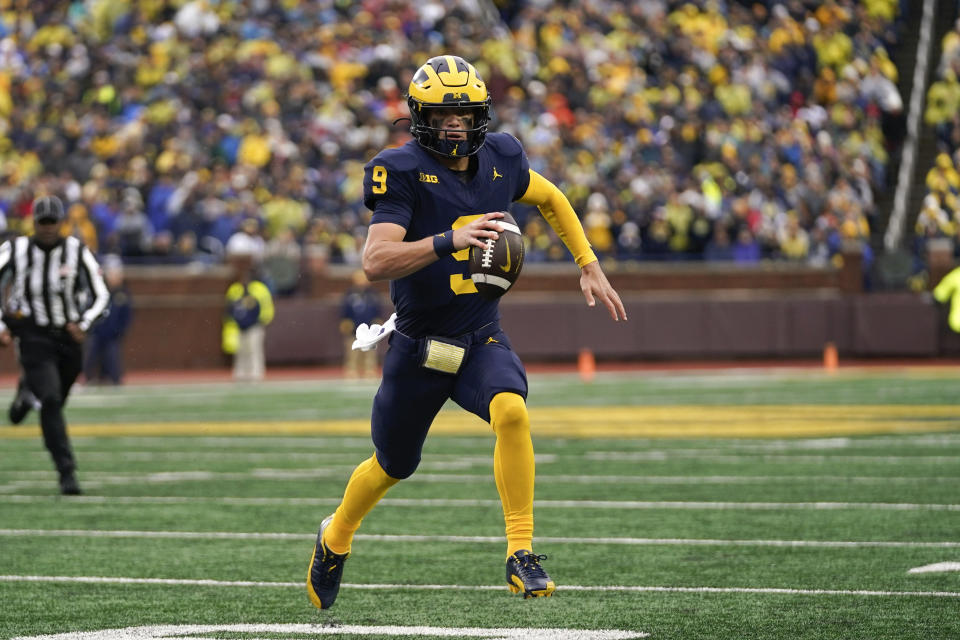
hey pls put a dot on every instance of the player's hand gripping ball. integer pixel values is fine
(497, 266)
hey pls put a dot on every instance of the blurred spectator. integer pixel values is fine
(247, 241)
(596, 224)
(948, 291)
(746, 248)
(103, 362)
(933, 221)
(629, 244)
(197, 18)
(943, 102)
(719, 248)
(794, 241)
(79, 226)
(133, 233)
(361, 305)
(882, 91)
(821, 251)
(249, 309)
(281, 262)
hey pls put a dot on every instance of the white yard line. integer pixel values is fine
(544, 504)
(234, 535)
(937, 567)
(461, 587)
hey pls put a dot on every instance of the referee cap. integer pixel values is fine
(48, 209)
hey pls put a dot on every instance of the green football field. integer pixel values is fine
(727, 504)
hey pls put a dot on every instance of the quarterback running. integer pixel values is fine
(432, 199)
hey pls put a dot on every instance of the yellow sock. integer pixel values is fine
(368, 483)
(513, 468)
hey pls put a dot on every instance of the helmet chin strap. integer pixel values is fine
(430, 139)
(453, 148)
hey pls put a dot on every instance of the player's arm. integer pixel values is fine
(98, 287)
(388, 191)
(6, 257)
(556, 209)
(944, 291)
(386, 256)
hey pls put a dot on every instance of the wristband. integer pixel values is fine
(443, 243)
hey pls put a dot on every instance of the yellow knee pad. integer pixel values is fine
(508, 412)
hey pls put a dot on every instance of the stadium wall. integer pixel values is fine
(677, 311)
(724, 325)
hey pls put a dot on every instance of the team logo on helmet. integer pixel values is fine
(444, 82)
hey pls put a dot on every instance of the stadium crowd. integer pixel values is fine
(679, 129)
(939, 216)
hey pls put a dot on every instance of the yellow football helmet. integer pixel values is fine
(448, 81)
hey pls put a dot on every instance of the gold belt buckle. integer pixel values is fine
(443, 356)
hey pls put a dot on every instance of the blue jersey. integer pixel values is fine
(408, 186)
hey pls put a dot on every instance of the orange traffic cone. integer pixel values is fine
(830, 358)
(586, 365)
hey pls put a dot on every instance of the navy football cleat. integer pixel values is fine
(326, 571)
(526, 576)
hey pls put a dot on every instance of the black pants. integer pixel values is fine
(51, 361)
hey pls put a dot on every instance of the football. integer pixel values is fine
(497, 266)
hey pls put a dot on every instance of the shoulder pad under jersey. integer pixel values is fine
(401, 158)
(504, 144)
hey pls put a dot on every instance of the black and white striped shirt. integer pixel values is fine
(51, 287)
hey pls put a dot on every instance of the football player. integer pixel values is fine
(433, 198)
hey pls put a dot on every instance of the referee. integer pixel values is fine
(56, 292)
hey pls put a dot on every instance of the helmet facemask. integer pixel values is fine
(452, 143)
(448, 82)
